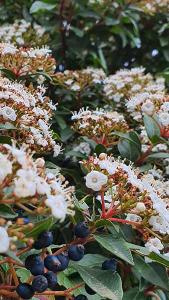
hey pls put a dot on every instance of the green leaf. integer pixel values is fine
(13, 256)
(5, 139)
(141, 250)
(92, 260)
(134, 294)
(113, 228)
(69, 282)
(9, 74)
(129, 145)
(7, 212)
(128, 150)
(100, 149)
(77, 31)
(159, 155)
(159, 258)
(118, 247)
(152, 128)
(7, 126)
(66, 133)
(41, 6)
(23, 274)
(102, 59)
(39, 227)
(75, 154)
(153, 273)
(105, 283)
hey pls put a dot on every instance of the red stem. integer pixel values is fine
(103, 205)
(123, 221)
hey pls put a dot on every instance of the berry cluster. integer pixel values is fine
(44, 268)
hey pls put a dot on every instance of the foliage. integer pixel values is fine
(91, 76)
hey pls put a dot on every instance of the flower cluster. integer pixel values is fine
(99, 124)
(153, 6)
(27, 184)
(76, 81)
(24, 61)
(130, 193)
(125, 84)
(151, 104)
(27, 111)
(22, 33)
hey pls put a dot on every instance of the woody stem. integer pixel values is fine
(103, 205)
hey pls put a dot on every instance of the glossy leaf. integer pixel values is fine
(116, 246)
(7, 212)
(105, 283)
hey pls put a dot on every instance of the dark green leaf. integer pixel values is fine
(153, 273)
(39, 227)
(152, 128)
(41, 6)
(105, 283)
(118, 247)
(7, 212)
(5, 139)
(159, 155)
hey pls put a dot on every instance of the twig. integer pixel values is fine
(103, 205)
(123, 221)
(15, 278)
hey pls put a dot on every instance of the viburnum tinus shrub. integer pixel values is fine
(106, 237)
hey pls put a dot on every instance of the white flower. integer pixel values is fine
(148, 107)
(24, 188)
(5, 167)
(4, 240)
(158, 224)
(58, 206)
(43, 126)
(69, 81)
(8, 48)
(75, 87)
(40, 162)
(154, 245)
(95, 180)
(57, 150)
(84, 148)
(164, 118)
(42, 187)
(8, 113)
(19, 154)
(133, 218)
(140, 207)
(117, 97)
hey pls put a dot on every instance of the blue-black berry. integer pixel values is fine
(40, 283)
(81, 230)
(25, 291)
(52, 263)
(76, 252)
(60, 68)
(64, 260)
(89, 290)
(45, 239)
(110, 264)
(34, 264)
(80, 297)
(52, 279)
